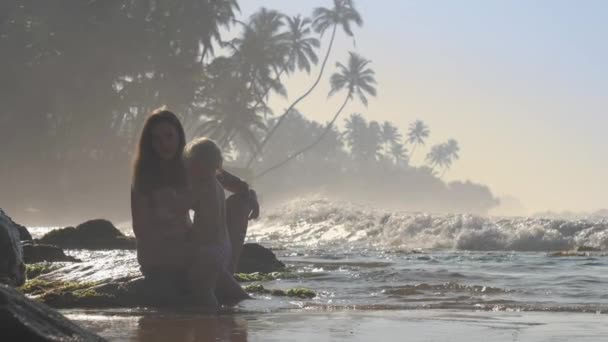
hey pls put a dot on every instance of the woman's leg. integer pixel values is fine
(237, 212)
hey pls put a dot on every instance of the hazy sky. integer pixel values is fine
(521, 84)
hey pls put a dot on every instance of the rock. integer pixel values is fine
(298, 292)
(33, 253)
(12, 268)
(24, 234)
(128, 292)
(26, 320)
(256, 258)
(93, 234)
(34, 270)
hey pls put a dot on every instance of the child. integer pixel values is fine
(211, 248)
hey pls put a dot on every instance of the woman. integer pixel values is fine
(160, 202)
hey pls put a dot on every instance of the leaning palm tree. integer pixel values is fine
(358, 79)
(342, 14)
(417, 134)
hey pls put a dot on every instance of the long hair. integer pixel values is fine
(146, 166)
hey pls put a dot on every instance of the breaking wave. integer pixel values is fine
(318, 222)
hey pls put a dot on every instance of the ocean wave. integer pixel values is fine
(318, 222)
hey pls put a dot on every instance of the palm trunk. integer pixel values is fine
(307, 148)
(282, 117)
(413, 150)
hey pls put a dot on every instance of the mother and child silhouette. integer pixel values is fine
(199, 256)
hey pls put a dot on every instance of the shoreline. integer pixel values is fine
(354, 325)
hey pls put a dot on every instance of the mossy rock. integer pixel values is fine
(298, 292)
(257, 276)
(34, 270)
(301, 292)
(39, 287)
(128, 292)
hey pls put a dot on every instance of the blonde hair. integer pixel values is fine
(204, 150)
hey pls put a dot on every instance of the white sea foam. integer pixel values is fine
(317, 222)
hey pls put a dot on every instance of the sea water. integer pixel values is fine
(400, 265)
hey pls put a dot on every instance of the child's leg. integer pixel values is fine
(229, 291)
(237, 211)
(202, 279)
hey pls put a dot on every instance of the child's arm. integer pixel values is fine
(232, 183)
(207, 218)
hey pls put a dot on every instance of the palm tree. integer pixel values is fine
(260, 52)
(437, 157)
(443, 155)
(296, 42)
(451, 150)
(417, 134)
(229, 106)
(399, 153)
(354, 131)
(342, 14)
(219, 14)
(358, 80)
(300, 44)
(390, 136)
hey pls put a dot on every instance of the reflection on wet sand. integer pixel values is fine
(202, 328)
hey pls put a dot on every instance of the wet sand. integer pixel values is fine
(352, 325)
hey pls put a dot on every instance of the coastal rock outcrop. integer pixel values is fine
(12, 268)
(26, 320)
(34, 253)
(94, 234)
(257, 258)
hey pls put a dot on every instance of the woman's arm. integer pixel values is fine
(140, 214)
(146, 222)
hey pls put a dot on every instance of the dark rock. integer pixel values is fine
(94, 234)
(33, 253)
(12, 268)
(24, 234)
(256, 258)
(26, 320)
